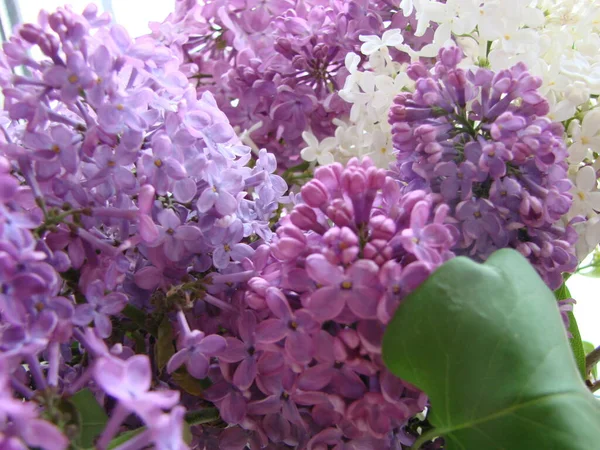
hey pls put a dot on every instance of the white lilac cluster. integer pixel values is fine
(558, 40)
(366, 132)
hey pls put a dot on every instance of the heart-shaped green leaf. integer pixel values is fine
(487, 344)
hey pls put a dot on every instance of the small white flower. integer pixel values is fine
(319, 151)
(589, 237)
(372, 44)
(382, 151)
(586, 198)
(585, 136)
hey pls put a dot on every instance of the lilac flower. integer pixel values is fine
(99, 307)
(71, 79)
(221, 192)
(283, 63)
(313, 362)
(195, 351)
(295, 327)
(163, 166)
(244, 351)
(174, 236)
(230, 249)
(353, 287)
(167, 430)
(129, 382)
(424, 240)
(231, 403)
(480, 139)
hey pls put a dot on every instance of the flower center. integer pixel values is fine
(120, 107)
(111, 163)
(477, 214)
(581, 195)
(585, 140)
(158, 162)
(293, 325)
(171, 231)
(227, 248)
(346, 285)
(55, 148)
(73, 79)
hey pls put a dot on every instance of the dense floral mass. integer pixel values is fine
(276, 67)
(176, 269)
(480, 140)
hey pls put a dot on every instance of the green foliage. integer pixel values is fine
(164, 348)
(92, 417)
(487, 344)
(563, 293)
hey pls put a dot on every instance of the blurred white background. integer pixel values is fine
(135, 15)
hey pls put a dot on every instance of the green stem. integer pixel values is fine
(425, 437)
(579, 269)
(201, 416)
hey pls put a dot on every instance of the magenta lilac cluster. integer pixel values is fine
(302, 364)
(275, 67)
(481, 143)
(117, 183)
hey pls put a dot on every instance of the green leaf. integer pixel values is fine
(588, 347)
(164, 347)
(188, 383)
(563, 293)
(487, 344)
(93, 418)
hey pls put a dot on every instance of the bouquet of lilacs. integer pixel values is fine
(205, 231)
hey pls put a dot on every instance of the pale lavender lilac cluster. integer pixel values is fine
(481, 143)
(117, 183)
(302, 364)
(275, 67)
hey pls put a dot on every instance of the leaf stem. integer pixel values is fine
(425, 437)
(200, 416)
(592, 359)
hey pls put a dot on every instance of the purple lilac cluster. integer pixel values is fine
(301, 364)
(275, 67)
(480, 142)
(120, 191)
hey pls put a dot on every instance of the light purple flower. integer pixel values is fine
(99, 307)
(354, 287)
(195, 352)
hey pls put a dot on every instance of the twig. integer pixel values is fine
(592, 359)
